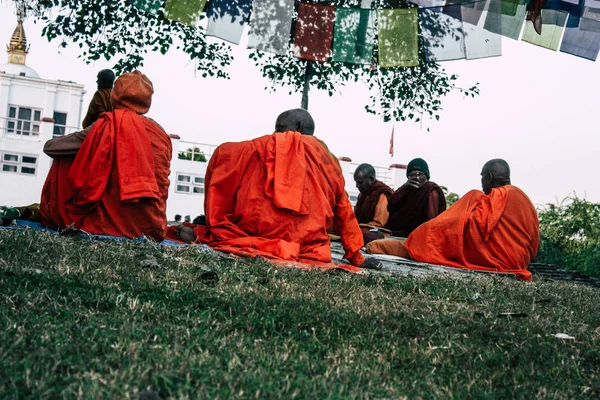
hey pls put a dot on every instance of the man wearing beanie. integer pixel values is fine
(113, 177)
(101, 100)
(413, 203)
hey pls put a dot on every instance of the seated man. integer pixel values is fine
(112, 178)
(413, 203)
(496, 231)
(276, 195)
(101, 100)
(372, 205)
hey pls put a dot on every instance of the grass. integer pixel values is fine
(82, 319)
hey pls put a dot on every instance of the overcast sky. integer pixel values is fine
(538, 109)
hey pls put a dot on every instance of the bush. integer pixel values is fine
(192, 154)
(570, 235)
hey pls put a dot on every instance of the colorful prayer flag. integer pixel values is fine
(553, 24)
(581, 43)
(442, 33)
(151, 6)
(398, 37)
(185, 11)
(270, 25)
(506, 25)
(314, 32)
(354, 35)
(226, 19)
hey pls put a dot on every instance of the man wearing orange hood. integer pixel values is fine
(496, 230)
(275, 196)
(112, 178)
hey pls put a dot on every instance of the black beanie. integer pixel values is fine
(418, 164)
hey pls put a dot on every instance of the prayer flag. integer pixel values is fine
(270, 25)
(226, 19)
(185, 11)
(398, 37)
(506, 25)
(354, 35)
(151, 6)
(480, 43)
(442, 33)
(314, 32)
(581, 43)
(553, 24)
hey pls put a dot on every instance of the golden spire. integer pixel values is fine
(17, 49)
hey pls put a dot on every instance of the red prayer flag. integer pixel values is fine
(314, 32)
(392, 142)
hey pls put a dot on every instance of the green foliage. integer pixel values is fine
(84, 319)
(451, 197)
(570, 235)
(192, 154)
(114, 29)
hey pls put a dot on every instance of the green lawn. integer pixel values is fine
(83, 319)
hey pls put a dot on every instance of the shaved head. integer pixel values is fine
(495, 173)
(297, 120)
(105, 79)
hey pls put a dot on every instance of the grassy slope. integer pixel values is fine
(97, 320)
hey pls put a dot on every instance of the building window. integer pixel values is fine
(17, 163)
(60, 124)
(189, 184)
(23, 121)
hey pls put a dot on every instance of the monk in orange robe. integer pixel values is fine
(101, 100)
(372, 204)
(275, 196)
(112, 178)
(495, 231)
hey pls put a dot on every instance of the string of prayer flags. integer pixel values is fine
(506, 25)
(314, 32)
(579, 42)
(270, 26)
(442, 33)
(553, 24)
(185, 11)
(151, 6)
(398, 37)
(226, 19)
(354, 35)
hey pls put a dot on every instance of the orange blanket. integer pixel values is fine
(118, 183)
(275, 196)
(498, 232)
(100, 103)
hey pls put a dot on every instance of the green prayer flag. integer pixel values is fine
(398, 37)
(498, 21)
(147, 5)
(354, 35)
(184, 11)
(553, 25)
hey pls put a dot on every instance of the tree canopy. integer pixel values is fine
(117, 30)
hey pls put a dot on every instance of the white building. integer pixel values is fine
(34, 109)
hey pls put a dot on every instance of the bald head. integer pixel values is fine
(495, 173)
(297, 120)
(364, 176)
(105, 80)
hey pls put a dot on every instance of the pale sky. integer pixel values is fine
(538, 109)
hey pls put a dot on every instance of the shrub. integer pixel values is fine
(570, 235)
(192, 154)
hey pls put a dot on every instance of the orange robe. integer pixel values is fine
(117, 184)
(100, 103)
(275, 196)
(498, 232)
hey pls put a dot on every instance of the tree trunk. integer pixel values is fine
(306, 88)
